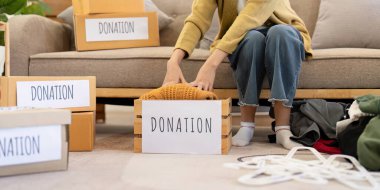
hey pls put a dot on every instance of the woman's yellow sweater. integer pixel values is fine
(234, 26)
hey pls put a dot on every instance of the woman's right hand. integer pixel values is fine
(174, 74)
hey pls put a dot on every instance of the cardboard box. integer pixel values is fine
(73, 93)
(33, 140)
(57, 6)
(115, 31)
(82, 132)
(226, 127)
(4, 27)
(106, 6)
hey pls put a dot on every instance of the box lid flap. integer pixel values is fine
(24, 117)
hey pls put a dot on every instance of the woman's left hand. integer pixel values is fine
(205, 78)
(206, 75)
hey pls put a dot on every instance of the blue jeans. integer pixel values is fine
(277, 52)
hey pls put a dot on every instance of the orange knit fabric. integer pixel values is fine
(179, 92)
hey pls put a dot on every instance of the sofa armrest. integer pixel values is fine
(32, 34)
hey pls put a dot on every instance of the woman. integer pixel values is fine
(259, 37)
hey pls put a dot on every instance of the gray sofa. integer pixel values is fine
(41, 47)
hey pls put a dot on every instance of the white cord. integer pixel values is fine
(272, 169)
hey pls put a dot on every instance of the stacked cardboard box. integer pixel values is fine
(77, 94)
(33, 140)
(102, 24)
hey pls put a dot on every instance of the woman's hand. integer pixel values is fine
(205, 78)
(206, 75)
(174, 74)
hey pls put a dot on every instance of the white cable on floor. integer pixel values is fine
(272, 169)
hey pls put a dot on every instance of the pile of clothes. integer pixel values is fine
(339, 128)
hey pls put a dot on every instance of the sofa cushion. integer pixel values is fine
(67, 16)
(169, 35)
(342, 68)
(347, 23)
(163, 19)
(146, 67)
(135, 67)
(210, 35)
(179, 10)
(307, 10)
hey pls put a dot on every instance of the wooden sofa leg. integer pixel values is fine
(100, 113)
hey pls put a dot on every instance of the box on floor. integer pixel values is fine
(48, 93)
(226, 125)
(82, 129)
(33, 140)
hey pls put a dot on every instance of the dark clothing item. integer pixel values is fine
(324, 114)
(369, 141)
(369, 104)
(272, 138)
(369, 145)
(348, 138)
(327, 146)
(305, 131)
(314, 119)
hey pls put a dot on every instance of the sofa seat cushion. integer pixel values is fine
(146, 67)
(342, 68)
(134, 67)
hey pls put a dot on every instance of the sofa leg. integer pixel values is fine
(100, 113)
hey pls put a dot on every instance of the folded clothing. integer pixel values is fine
(369, 145)
(179, 92)
(355, 113)
(369, 104)
(348, 138)
(369, 141)
(327, 146)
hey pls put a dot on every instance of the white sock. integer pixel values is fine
(283, 135)
(244, 135)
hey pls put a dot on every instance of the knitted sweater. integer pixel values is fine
(234, 26)
(178, 92)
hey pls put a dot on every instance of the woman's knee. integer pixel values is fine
(282, 32)
(253, 44)
(254, 37)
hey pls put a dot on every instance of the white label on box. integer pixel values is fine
(190, 127)
(30, 145)
(54, 94)
(117, 29)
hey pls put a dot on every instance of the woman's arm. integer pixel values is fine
(195, 26)
(174, 74)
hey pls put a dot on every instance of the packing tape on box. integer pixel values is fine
(273, 169)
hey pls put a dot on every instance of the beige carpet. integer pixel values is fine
(113, 165)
